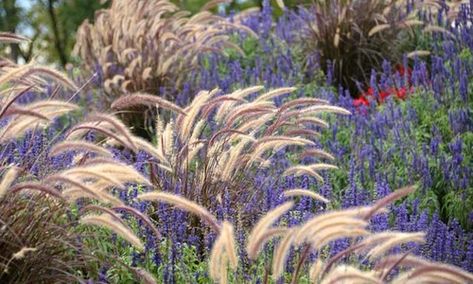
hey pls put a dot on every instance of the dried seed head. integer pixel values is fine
(259, 230)
(106, 221)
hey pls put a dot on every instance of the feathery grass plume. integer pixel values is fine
(183, 204)
(433, 28)
(107, 125)
(18, 255)
(430, 274)
(223, 254)
(418, 53)
(415, 262)
(65, 146)
(248, 110)
(143, 145)
(378, 28)
(22, 253)
(186, 123)
(324, 108)
(52, 74)
(255, 239)
(315, 270)
(120, 171)
(318, 232)
(82, 129)
(89, 191)
(35, 186)
(305, 192)
(231, 164)
(230, 132)
(303, 170)
(138, 99)
(17, 110)
(217, 258)
(286, 139)
(333, 233)
(106, 221)
(89, 172)
(150, 149)
(269, 145)
(16, 95)
(275, 93)
(144, 276)
(7, 180)
(141, 217)
(75, 188)
(387, 240)
(102, 209)
(303, 132)
(104, 175)
(6, 37)
(383, 202)
(238, 94)
(73, 194)
(313, 120)
(342, 218)
(343, 273)
(304, 102)
(32, 71)
(318, 153)
(281, 253)
(256, 124)
(116, 125)
(22, 123)
(13, 73)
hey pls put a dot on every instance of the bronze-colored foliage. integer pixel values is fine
(357, 35)
(36, 242)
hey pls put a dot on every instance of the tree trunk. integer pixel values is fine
(58, 41)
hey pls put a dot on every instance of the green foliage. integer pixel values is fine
(50, 24)
(442, 196)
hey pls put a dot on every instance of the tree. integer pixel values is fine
(56, 23)
(10, 17)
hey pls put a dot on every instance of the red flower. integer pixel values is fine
(402, 71)
(361, 100)
(370, 92)
(401, 93)
(384, 94)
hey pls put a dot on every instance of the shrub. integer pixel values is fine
(148, 47)
(39, 237)
(36, 243)
(219, 143)
(353, 37)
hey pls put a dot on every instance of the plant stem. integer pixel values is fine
(304, 255)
